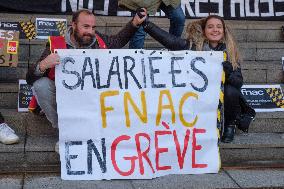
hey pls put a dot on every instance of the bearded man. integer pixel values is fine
(81, 35)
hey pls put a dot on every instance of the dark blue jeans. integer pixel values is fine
(177, 19)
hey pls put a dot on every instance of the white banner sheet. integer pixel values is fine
(137, 114)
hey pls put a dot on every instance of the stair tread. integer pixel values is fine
(250, 140)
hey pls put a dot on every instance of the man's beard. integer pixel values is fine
(83, 41)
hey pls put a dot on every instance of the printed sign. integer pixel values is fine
(141, 114)
(24, 96)
(12, 47)
(264, 98)
(26, 29)
(50, 27)
(9, 48)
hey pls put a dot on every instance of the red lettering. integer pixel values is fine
(185, 145)
(113, 159)
(160, 150)
(196, 147)
(143, 154)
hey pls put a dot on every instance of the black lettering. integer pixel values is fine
(64, 62)
(84, 73)
(130, 71)
(112, 72)
(102, 162)
(173, 72)
(202, 75)
(69, 157)
(99, 86)
(144, 72)
(2, 59)
(154, 71)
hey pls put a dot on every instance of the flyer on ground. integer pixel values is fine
(24, 96)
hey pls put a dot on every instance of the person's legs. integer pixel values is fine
(137, 40)
(177, 19)
(232, 111)
(44, 89)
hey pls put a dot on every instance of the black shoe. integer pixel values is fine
(229, 133)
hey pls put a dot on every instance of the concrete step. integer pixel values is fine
(225, 179)
(8, 74)
(254, 148)
(36, 153)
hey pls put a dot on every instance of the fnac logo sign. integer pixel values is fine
(12, 47)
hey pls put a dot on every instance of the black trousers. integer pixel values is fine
(1, 118)
(232, 108)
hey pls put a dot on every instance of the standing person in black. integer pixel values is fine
(209, 34)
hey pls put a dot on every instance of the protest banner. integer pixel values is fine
(9, 45)
(137, 114)
(264, 98)
(50, 27)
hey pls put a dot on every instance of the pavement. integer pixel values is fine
(232, 178)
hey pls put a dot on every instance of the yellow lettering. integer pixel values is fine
(182, 101)
(169, 106)
(143, 115)
(104, 108)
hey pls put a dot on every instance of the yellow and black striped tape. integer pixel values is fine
(29, 29)
(220, 111)
(61, 26)
(276, 96)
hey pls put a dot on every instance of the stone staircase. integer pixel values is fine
(261, 45)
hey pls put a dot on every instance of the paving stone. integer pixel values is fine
(8, 100)
(40, 143)
(17, 148)
(11, 181)
(23, 52)
(258, 178)
(220, 180)
(247, 50)
(42, 160)
(49, 181)
(269, 54)
(256, 140)
(39, 126)
(11, 161)
(36, 51)
(255, 76)
(267, 125)
(15, 120)
(251, 156)
(263, 35)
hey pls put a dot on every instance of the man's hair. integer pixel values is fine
(76, 14)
